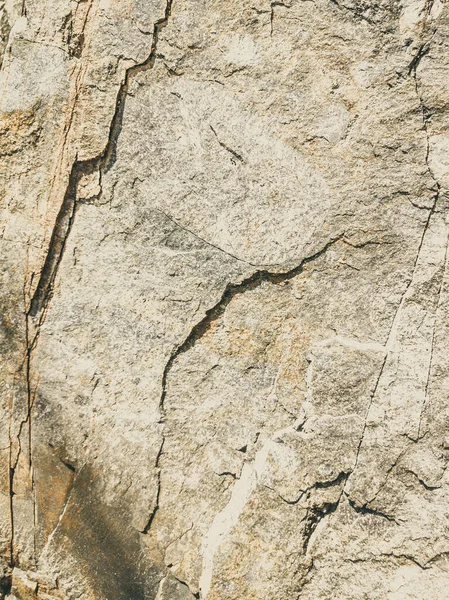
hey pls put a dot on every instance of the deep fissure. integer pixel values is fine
(36, 311)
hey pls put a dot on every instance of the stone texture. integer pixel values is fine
(224, 301)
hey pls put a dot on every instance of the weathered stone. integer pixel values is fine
(224, 300)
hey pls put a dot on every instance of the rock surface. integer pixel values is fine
(224, 300)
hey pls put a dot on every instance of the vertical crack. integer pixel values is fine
(14, 461)
(11, 508)
(426, 116)
(426, 391)
(272, 7)
(423, 51)
(100, 164)
(158, 491)
(35, 315)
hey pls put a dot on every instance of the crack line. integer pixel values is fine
(393, 329)
(231, 291)
(250, 475)
(426, 391)
(101, 164)
(147, 527)
(36, 312)
(170, 218)
(235, 154)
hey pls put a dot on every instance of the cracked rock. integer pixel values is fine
(224, 300)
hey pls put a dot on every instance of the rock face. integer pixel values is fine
(224, 300)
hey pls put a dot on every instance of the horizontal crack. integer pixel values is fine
(339, 479)
(366, 510)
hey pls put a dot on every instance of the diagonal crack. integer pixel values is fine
(231, 291)
(170, 218)
(390, 341)
(100, 164)
(76, 474)
(422, 51)
(235, 154)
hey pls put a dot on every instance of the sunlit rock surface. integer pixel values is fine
(224, 300)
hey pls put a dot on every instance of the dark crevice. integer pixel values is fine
(38, 305)
(182, 582)
(109, 155)
(272, 7)
(68, 465)
(381, 558)
(422, 51)
(408, 557)
(366, 510)
(61, 232)
(430, 488)
(313, 518)
(231, 291)
(80, 169)
(340, 479)
(5, 586)
(147, 527)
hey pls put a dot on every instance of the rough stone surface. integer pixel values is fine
(224, 299)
